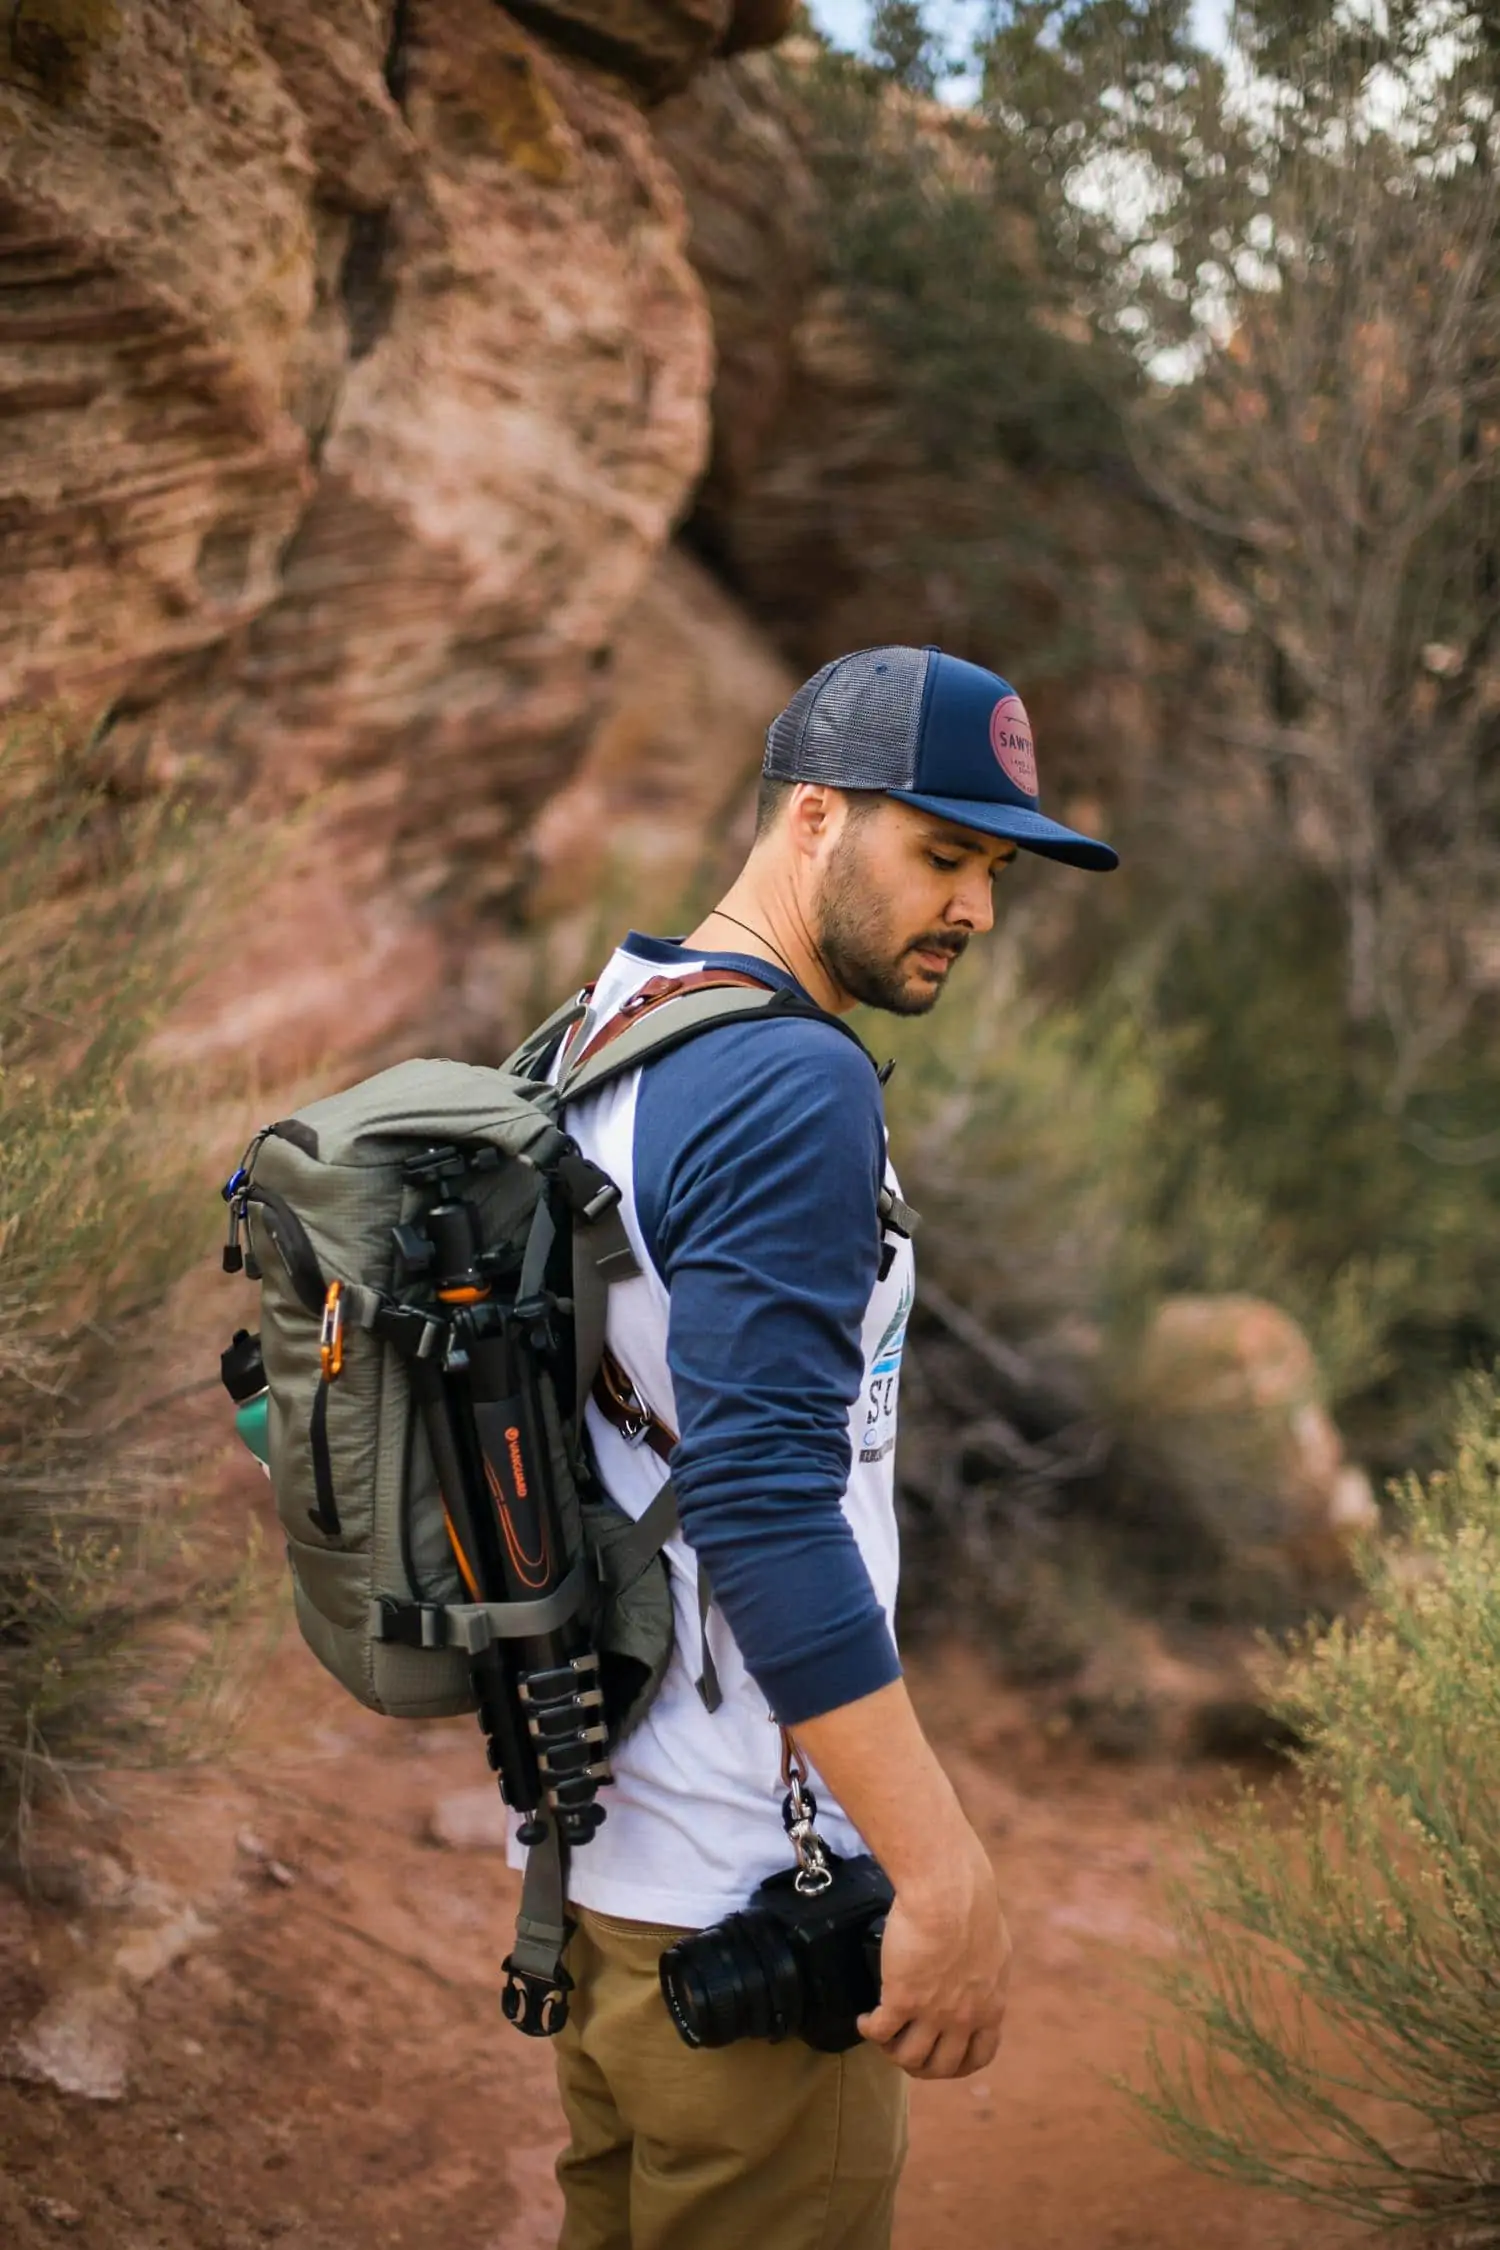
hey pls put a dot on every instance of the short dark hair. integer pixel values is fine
(770, 798)
(773, 794)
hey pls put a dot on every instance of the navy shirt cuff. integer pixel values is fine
(841, 1669)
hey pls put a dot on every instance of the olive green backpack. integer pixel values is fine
(320, 1200)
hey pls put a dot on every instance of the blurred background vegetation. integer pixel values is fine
(1247, 298)
(110, 1621)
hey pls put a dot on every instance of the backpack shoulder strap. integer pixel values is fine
(669, 1011)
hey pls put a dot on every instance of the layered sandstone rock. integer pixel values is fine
(753, 220)
(354, 376)
(662, 791)
(520, 415)
(657, 814)
(158, 260)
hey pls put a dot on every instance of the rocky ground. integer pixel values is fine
(272, 1984)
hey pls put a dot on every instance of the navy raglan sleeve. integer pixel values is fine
(759, 1155)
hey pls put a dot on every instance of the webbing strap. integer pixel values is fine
(621, 1563)
(525, 1061)
(539, 1240)
(710, 1694)
(475, 1626)
(542, 1929)
(897, 1214)
(601, 1254)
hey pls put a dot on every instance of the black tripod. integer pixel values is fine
(484, 1396)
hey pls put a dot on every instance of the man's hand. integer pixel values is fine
(945, 1957)
(944, 1970)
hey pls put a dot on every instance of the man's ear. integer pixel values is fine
(810, 813)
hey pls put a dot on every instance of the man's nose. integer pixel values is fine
(973, 903)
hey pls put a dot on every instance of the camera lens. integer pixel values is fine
(737, 1980)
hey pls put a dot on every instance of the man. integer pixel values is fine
(764, 1335)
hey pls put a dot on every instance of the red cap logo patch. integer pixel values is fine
(1010, 739)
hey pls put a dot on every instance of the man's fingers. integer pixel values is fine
(912, 2047)
(947, 2057)
(982, 2049)
(913, 2041)
(882, 2024)
(925, 2051)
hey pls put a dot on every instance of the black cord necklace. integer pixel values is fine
(745, 926)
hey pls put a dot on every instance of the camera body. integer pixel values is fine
(790, 1964)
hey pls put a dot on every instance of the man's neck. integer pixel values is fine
(748, 920)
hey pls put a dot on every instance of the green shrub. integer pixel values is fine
(1195, 1115)
(99, 1210)
(1336, 2031)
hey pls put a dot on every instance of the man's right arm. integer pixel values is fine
(758, 1204)
(945, 1957)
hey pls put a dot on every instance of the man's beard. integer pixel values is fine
(858, 947)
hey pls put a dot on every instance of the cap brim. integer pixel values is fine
(1031, 830)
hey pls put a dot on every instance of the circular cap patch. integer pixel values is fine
(1010, 739)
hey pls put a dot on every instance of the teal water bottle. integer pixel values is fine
(243, 1373)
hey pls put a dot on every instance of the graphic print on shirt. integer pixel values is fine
(884, 1380)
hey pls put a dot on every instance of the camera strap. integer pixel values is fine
(799, 1813)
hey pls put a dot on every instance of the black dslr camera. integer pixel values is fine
(792, 1963)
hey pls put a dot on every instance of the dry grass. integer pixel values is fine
(100, 1209)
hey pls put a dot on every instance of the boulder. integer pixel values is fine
(1226, 1394)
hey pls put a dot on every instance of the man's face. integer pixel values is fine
(901, 895)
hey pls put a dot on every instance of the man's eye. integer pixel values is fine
(938, 860)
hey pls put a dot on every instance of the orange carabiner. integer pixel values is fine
(331, 1334)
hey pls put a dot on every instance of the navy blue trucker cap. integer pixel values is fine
(936, 732)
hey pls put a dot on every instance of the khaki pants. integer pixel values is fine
(748, 2147)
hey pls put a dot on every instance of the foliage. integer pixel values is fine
(1003, 405)
(97, 924)
(1299, 244)
(904, 47)
(1200, 1119)
(926, 231)
(1342, 1951)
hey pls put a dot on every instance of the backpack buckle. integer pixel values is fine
(589, 1190)
(535, 2004)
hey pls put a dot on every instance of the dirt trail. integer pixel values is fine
(325, 2062)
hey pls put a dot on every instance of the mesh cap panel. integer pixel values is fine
(854, 724)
